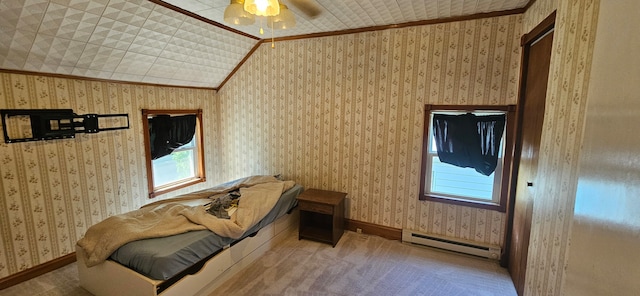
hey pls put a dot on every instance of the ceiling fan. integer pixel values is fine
(309, 7)
(243, 12)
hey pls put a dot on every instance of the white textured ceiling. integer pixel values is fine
(141, 41)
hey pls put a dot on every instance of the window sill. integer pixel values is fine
(187, 183)
(463, 202)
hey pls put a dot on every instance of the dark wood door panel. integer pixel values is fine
(536, 61)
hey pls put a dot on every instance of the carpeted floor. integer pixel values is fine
(366, 265)
(358, 265)
(63, 281)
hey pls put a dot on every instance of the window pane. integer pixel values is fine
(453, 180)
(174, 167)
(191, 144)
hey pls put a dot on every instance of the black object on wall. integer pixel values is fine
(49, 124)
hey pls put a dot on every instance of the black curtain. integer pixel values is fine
(468, 140)
(167, 133)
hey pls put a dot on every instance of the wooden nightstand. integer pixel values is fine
(321, 215)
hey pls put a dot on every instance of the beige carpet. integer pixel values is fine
(63, 281)
(358, 265)
(366, 265)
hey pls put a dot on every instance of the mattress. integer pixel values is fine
(162, 258)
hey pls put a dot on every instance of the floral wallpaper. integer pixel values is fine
(346, 113)
(539, 10)
(52, 191)
(561, 142)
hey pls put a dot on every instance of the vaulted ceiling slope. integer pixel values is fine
(179, 42)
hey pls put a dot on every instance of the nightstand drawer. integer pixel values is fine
(315, 207)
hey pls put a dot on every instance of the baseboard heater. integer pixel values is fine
(449, 244)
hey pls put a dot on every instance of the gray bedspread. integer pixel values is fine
(162, 258)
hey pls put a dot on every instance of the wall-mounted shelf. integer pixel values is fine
(24, 125)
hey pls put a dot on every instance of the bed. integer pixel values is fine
(189, 263)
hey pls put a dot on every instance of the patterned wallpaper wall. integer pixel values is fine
(346, 113)
(52, 191)
(561, 142)
(539, 10)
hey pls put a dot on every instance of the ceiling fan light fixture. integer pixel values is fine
(284, 20)
(262, 7)
(236, 15)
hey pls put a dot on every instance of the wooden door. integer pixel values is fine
(536, 60)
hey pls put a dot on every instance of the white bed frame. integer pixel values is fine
(111, 278)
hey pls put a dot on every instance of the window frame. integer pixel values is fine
(199, 149)
(507, 157)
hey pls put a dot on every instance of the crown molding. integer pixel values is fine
(75, 77)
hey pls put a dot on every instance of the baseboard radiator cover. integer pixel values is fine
(451, 244)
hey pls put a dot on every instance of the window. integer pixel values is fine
(174, 149)
(448, 183)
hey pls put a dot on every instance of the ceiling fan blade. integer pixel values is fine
(309, 7)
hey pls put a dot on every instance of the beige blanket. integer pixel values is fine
(165, 218)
